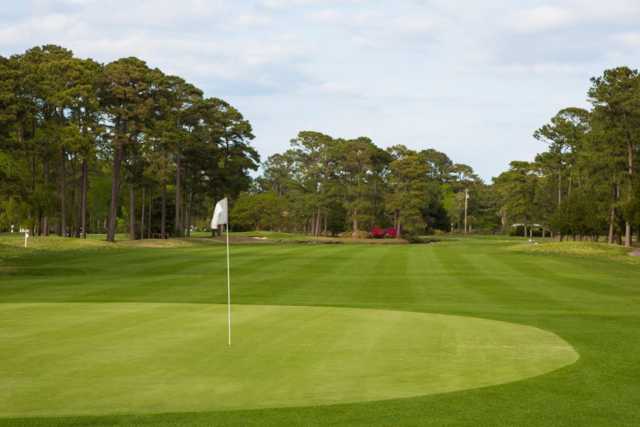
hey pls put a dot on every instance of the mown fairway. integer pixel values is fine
(140, 314)
(104, 358)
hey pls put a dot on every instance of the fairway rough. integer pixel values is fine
(116, 358)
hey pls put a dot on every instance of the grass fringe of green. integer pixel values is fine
(578, 249)
(13, 245)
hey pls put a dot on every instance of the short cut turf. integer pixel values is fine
(591, 302)
(90, 359)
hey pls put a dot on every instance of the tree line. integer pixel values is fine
(91, 147)
(87, 147)
(328, 186)
(585, 185)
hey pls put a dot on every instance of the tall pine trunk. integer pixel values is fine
(149, 216)
(354, 232)
(183, 217)
(559, 188)
(178, 220)
(627, 225)
(315, 222)
(324, 231)
(163, 215)
(612, 215)
(132, 212)
(115, 188)
(74, 228)
(62, 231)
(188, 214)
(83, 198)
(45, 173)
(142, 215)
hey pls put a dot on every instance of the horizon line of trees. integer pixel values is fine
(122, 147)
(586, 183)
(330, 186)
(91, 147)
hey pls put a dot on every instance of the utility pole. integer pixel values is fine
(466, 206)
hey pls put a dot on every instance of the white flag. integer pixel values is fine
(220, 214)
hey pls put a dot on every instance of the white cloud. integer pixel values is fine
(327, 16)
(628, 39)
(540, 18)
(616, 11)
(392, 70)
(51, 27)
(282, 4)
(253, 20)
(566, 14)
(378, 28)
(333, 88)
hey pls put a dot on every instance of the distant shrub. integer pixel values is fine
(377, 233)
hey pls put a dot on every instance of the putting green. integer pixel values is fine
(106, 358)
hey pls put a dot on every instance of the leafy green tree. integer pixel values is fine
(517, 189)
(66, 121)
(127, 91)
(616, 100)
(259, 211)
(362, 165)
(565, 135)
(408, 193)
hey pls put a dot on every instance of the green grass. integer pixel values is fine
(104, 358)
(273, 235)
(580, 249)
(591, 302)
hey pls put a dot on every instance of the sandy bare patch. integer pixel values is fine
(156, 243)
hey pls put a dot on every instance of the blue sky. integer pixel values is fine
(472, 79)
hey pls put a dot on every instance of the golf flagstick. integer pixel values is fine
(228, 287)
(220, 218)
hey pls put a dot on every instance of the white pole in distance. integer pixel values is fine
(466, 204)
(228, 287)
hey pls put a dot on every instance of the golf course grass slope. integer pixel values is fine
(101, 358)
(463, 332)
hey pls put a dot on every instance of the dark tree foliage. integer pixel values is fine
(330, 186)
(586, 184)
(122, 147)
(87, 147)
